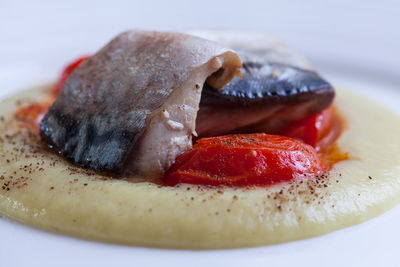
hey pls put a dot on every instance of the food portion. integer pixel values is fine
(272, 91)
(242, 160)
(268, 97)
(279, 86)
(132, 106)
(146, 156)
(319, 130)
(41, 188)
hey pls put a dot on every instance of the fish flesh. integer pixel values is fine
(277, 86)
(131, 108)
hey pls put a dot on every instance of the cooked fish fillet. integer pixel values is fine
(277, 86)
(132, 106)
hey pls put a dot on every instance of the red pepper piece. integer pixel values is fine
(245, 160)
(319, 130)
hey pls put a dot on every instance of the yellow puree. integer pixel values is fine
(42, 189)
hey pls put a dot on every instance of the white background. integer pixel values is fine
(355, 43)
(44, 35)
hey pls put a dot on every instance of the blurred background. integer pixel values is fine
(39, 37)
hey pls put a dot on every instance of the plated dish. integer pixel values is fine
(137, 211)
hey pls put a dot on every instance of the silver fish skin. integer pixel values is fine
(131, 107)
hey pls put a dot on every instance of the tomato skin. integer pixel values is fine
(245, 160)
(319, 130)
(66, 72)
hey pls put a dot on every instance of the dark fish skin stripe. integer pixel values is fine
(87, 143)
(271, 84)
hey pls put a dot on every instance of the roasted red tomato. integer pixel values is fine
(245, 159)
(319, 130)
(67, 71)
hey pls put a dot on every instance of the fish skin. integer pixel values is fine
(268, 98)
(269, 84)
(278, 86)
(102, 116)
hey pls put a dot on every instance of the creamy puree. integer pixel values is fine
(42, 189)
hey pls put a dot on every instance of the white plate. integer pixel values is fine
(369, 244)
(351, 44)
